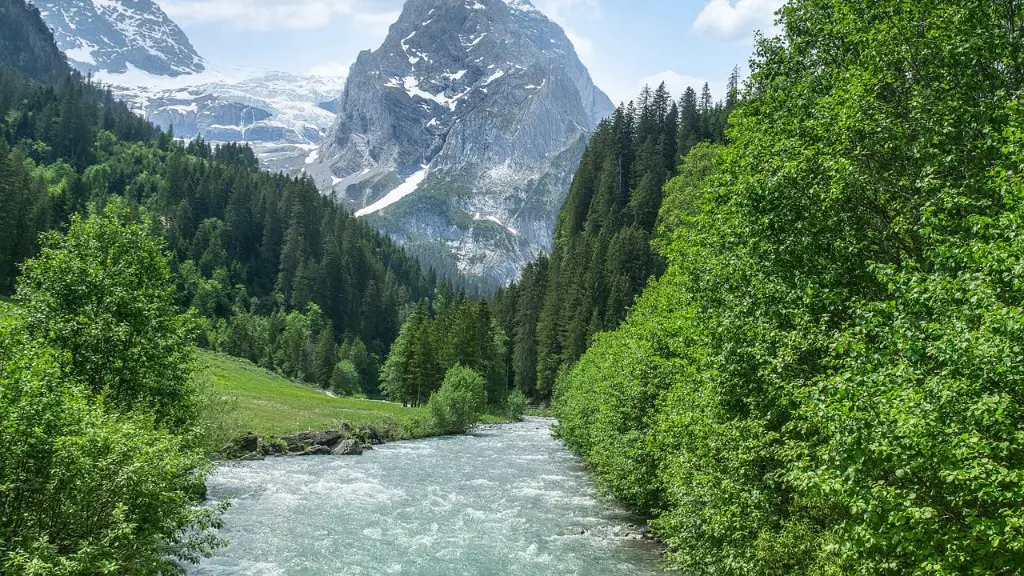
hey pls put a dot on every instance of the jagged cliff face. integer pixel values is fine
(114, 35)
(459, 136)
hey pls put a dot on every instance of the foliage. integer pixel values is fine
(433, 339)
(602, 257)
(84, 490)
(102, 294)
(345, 379)
(826, 379)
(515, 404)
(459, 402)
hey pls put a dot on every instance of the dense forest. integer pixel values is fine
(280, 274)
(602, 257)
(827, 377)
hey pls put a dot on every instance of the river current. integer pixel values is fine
(504, 500)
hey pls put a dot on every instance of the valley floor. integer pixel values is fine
(243, 398)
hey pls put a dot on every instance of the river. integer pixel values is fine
(504, 500)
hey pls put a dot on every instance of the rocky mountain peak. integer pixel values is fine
(460, 133)
(113, 35)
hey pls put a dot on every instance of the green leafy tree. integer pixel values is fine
(459, 402)
(345, 379)
(102, 295)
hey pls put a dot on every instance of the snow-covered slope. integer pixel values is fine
(284, 116)
(147, 60)
(459, 136)
(112, 35)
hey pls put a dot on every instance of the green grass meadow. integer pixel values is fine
(242, 398)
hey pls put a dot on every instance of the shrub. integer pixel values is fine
(459, 402)
(83, 491)
(345, 379)
(515, 404)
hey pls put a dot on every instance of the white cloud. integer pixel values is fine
(737, 19)
(583, 45)
(282, 14)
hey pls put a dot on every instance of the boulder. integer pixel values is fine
(371, 436)
(300, 441)
(250, 443)
(348, 448)
(316, 450)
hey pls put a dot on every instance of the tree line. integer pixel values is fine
(602, 257)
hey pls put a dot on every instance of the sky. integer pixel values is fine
(624, 43)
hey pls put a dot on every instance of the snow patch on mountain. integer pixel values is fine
(110, 35)
(408, 187)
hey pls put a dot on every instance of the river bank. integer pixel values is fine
(504, 499)
(249, 411)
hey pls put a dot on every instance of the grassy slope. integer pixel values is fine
(245, 398)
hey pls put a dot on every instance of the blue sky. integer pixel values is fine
(624, 43)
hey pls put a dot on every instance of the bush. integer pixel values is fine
(457, 405)
(83, 491)
(345, 379)
(515, 404)
(102, 295)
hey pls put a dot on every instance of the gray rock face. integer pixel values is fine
(459, 136)
(112, 35)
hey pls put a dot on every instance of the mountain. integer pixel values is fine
(27, 45)
(117, 35)
(460, 134)
(284, 116)
(148, 61)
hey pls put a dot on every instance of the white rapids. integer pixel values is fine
(504, 500)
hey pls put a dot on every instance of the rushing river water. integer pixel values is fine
(505, 500)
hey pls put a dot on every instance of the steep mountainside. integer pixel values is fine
(460, 134)
(116, 35)
(27, 45)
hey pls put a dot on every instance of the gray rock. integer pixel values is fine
(487, 103)
(300, 441)
(112, 36)
(371, 436)
(315, 451)
(250, 443)
(348, 448)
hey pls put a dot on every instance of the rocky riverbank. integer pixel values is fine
(346, 441)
